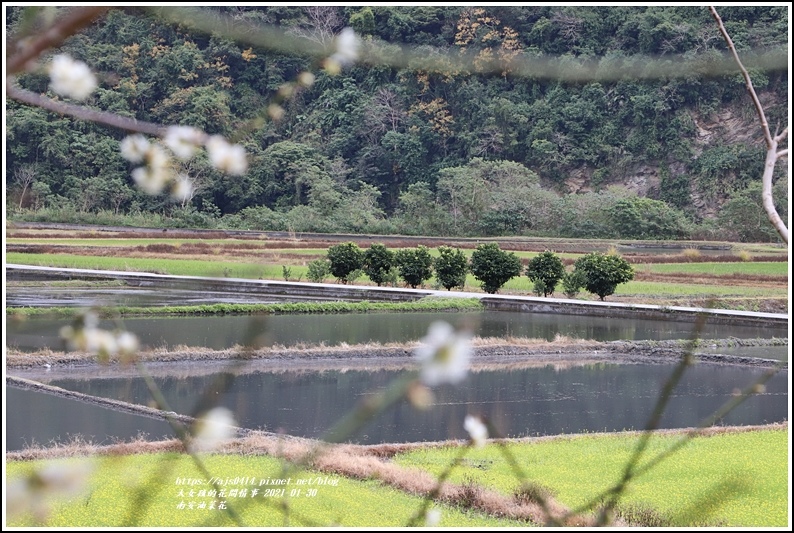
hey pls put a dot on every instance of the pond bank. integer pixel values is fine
(379, 294)
(487, 354)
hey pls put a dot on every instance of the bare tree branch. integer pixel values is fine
(30, 50)
(772, 154)
(83, 113)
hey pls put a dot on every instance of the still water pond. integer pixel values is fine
(221, 332)
(522, 402)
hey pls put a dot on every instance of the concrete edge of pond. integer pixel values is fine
(530, 304)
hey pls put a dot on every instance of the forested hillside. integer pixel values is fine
(401, 149)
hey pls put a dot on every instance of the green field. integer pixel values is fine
(113, 485)
(733, 479)
(718, 269)
(519, 285)
(752, 467)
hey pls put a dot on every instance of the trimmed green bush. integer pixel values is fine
(344, 259)
(378, 261)
(451, 267)
(546, 270)
(603, 272)
(494, 267)
(415, 265)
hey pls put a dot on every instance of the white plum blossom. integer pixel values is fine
(432, 517)
(476, 429)
(181, 188)
(150, 182)
(127, 343)
(347, 47)
(35, 492)
(134, 148)
(229, 158)
(183, 141)
(157, 159)
(86, 336)
(71, 78)
(444, 355)
(213, 428)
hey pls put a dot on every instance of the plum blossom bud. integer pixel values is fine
(229, 158)
(420, 396)
(183, 141)
(275, 111)
(476, 429)
(134, 148)
(306, 79)
(71, 78)
(210, 430)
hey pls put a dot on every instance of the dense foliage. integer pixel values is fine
(344, 259)
(451, 267)
(378, 262)
(545, 270)
(387, 149)
(602, 273)
(494, 267)
(414, 265)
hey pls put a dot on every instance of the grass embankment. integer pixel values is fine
(110, 500)
(734, 479)
(731, 478)
(424, 304)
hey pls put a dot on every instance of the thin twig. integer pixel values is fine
(83, 113)
(63, 28)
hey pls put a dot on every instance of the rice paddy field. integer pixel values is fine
(745, 277)
(727, 479)
(143, 490)
(738, 479)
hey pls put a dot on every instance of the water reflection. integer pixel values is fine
(44, 419)
(222, 332)
(522, 402)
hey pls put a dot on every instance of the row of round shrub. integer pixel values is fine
(595, 272)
